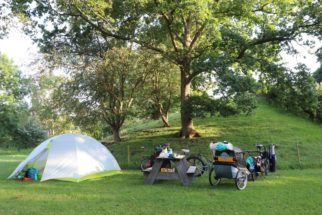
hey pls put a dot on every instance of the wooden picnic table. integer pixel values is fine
(183, 172)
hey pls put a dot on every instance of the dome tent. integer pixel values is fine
(70, 157)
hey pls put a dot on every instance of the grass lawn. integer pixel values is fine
(284, 192)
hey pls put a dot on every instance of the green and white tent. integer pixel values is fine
(70, 157)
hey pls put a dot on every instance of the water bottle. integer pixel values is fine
(170, 153)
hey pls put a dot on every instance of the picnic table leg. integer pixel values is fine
(150, 178)
(182, 167)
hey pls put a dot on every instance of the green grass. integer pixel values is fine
(293, 189)
(284, 192)
(266, 125)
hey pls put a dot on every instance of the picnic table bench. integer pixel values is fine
(182, 171)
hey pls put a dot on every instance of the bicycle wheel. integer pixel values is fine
(272, 163)
(145, 163)
(213, 180)
(200, 165)
(266, 166)
(241, 180)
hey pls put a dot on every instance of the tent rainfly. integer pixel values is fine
(70, 157)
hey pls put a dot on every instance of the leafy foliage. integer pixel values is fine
(295, 91)
(160, 92)
(29, 135)
(105, 92)
(204, 105)
(16, 127)
(319, 106)
(44, 107)
(13, 87)
(233, 92)
(318, 73)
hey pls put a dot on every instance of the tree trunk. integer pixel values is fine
(164, 115)
(187, 129)
(116, 135)
(165, 119)
(155, 115)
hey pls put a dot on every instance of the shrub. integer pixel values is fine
(29, 135)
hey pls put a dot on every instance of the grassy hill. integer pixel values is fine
(298, 140)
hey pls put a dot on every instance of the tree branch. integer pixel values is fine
(168, 24)
(117, 36)
(187, 27)
(262, 41)
(197, 35)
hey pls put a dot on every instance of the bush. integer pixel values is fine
(204, 105)
(29, 135)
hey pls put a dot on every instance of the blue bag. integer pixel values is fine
(221, 147)
(32, 173)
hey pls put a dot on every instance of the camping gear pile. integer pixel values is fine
(160, 151)
(228, 163)
(69, 157)
(29, 174)
(166, 151)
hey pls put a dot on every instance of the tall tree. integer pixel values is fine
(106, 91)
(207, 33)
(11, 94)
(17, 126)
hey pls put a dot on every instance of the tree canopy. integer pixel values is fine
(106, 91)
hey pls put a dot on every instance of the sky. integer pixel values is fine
(306, 55)
(22, 51)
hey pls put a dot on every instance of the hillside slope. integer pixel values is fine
(298, 140)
